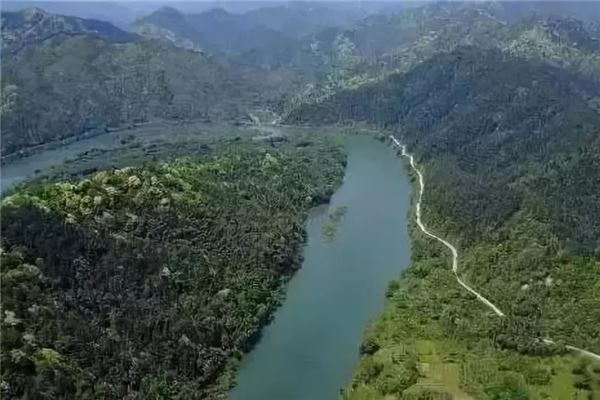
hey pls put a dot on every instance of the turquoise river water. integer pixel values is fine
(311, 348)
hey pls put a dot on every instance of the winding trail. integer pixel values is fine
(443, 241)
(576, 349)
(455, 254)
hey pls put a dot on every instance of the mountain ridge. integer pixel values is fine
(62, 85)
(34, 26)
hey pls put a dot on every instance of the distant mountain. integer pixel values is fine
(118, 14)
(34, 25)
(275, 27)
(298, 19)
(499, 102)
(216, 31)
(558, 41)
(123, 14)
(442, 27)
(169, 24)
(67, 76)
(370, 50)
(446, 24)
(513, 11)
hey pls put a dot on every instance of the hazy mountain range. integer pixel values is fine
(278, 54)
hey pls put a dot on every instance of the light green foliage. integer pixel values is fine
(46, 359)
(345, 59)
(9, 99)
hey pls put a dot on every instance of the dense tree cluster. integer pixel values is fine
(481, 114)
(60, 83)
(151, 280)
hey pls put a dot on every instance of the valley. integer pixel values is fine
(309, 350)
(300, 201)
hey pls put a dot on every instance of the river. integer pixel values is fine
(157, 133)
(27, 167)
(310, 350)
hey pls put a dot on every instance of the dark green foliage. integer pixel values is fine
(511, 387)
(368, 371)
(369, 346)
(430, 395)
(166, 273)
(566, 184)
(152, 279)
(393, 286)
(480, 114)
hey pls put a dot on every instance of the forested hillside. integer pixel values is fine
(151, 281)
(490, 113)
(395, 43)
(67, 76)
(163, 274)
(274, 29)
(34, 25)
(507, 134)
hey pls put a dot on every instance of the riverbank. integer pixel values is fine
(434, 341)
(142, 146)
(311, 347)
(55, 144)
(186, 258)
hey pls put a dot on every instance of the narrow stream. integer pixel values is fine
(310, 350)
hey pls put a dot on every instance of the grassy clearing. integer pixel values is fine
(450, 338)
(455, 368)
